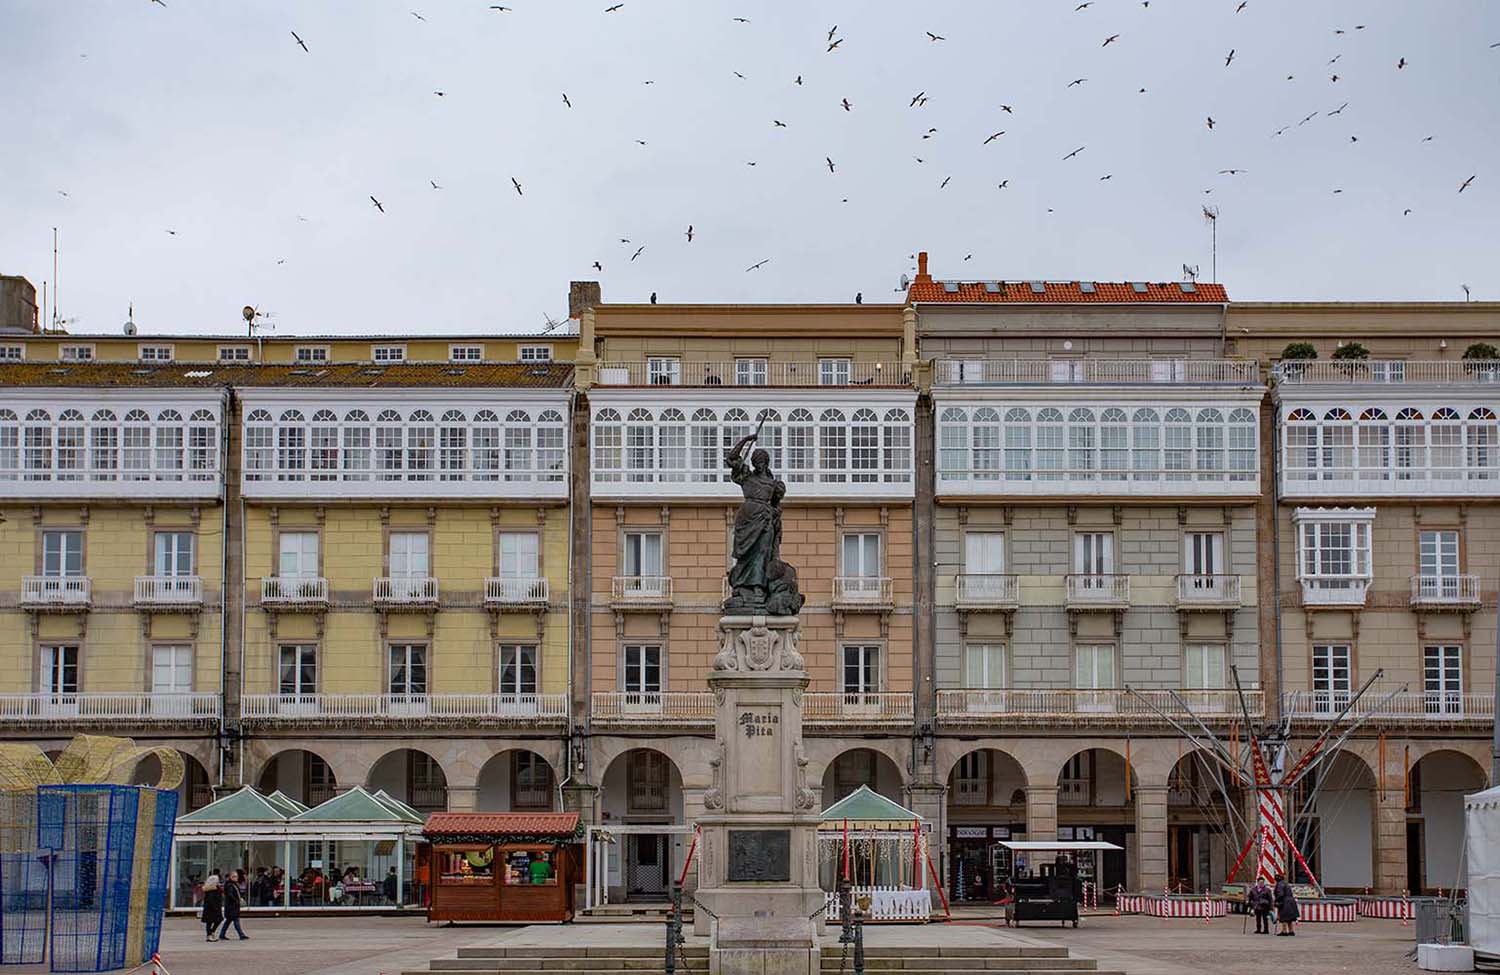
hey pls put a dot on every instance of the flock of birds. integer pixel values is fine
(833, 44)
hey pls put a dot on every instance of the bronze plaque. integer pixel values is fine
(760, 855)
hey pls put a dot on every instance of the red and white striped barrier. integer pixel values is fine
(1394, 908)
(1318, 911)
(1189, 905)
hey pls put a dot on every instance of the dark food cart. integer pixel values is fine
(503, 866)
(1052, 891)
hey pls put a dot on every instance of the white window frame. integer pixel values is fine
(519, 659)
(636, 552)
(76, 352)
(310, 354)
(178, 660)
(520, 554)
(751, 370)
(835, 370)
(867, 561)
(388, 353)
(303, 656)
(1094, 558)
(156, 352)
(664, 370)
(410, 555)
(409, 651)
(168, 554)
(1440, 558)
(868, 666)
(534, 353)
(1333, 669)
(293, 549)
(1204, 666)
(1443, 679)
(13, 352)
(466, 352)
(68, 542)
(55, 662)
(234, 353)
(635, 669)
(1088, 674)
(984, 552)
(985, 665)
(1317, 551)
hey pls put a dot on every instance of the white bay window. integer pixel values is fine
(1334, 555)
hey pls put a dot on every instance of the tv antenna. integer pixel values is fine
(1211, 214)
(1190, 272)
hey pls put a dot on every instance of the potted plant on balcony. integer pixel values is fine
(1351, 356)
(1294, 355)
(1482, 362)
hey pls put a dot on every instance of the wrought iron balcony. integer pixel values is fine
(986, 591)
(1074, 706)
(1098, 590)
(56, 592)
(406, 592)
(653, 707)
(168, 592)
(436, 708)
(294, 591)
(1405, 707)
(520, 591)
(838, 708)
(1198, 591)
(1341, 591)
(107, 706)
(863, 592)
(644, 592)
(1457, 592)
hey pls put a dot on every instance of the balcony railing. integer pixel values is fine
(294, 591)
(653, 707)
(109, 706)
(1031, 372)
(730, 373)
(168, 592)
(1388, 371)
(1042, 705)
(836, 707)
(405, 707)
(986, 591)
(1098, 590)
(1197, 591)
(647, 591)
(516, 591)
(862, 592)
(399, 591)
(1416, 707)
(56, 592)
(1342, 590)
(1445, 592)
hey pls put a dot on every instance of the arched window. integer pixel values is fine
(1017, 444)
(324, 444)
(1445, 435)
(10, 445)
(799, 445)
(1338, 445)
(1145, 444)
(672, 441)
(897, 446)
(104, 445)
(833, 447)
(291, 446)
(736, 425)
(137, 450)
(953, 444)
(1479, 437)
(1177, 456)
(864, 446)
(1373, 434)
(1051, 459)
(1410, 437)
(1301, 445)
(772, 437)
(169, 442)
(421, 446)
(203, 446)
(608, 456)
(70, 442)
(1243, 442)
(356, 446)
(390, 455)
(1082, 444)
(703, 437)
(453, 445)
(485, 445)
(260, 445)
(549, 446)
(1114, 444)
(986, 429)
(520, 462)
(38, 440)
(640, 445)
(1209, 431)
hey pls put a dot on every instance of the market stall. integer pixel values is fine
(503, 866)
(881, 848)
(1044, 881)
(355, 851)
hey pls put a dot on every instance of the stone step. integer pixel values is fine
(597, 951)
(700, 967)
(1015, 962)
(959, 952)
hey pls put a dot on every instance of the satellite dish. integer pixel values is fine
(905, 281)
(130, 328)
(249, 313)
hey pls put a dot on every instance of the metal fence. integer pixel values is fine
(1439, 921)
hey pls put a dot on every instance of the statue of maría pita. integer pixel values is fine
(760, 583)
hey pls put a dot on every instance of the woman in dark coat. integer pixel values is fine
(1286, 907)
(232, 899)
(213, 904)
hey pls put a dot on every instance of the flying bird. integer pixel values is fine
(1210, 121)
(1338, 110)
(1110, 40)
(993, 137)
(598, 266)
(1076, 81)
(610, 10)
(690, 233)
(1231, 172)
(757, 264)
(62, 193)
(377, 204)
(832, 30)
(916, 98)
(847, 106)
(158, 2)
(1086, 3)
(1334, 79)
(440, 94)
(637, 252)
(1406, 212)
(944, 182)
(778, 123)
(419, 16)
(935, 37)
(1465, 184)
(299, 42)
(1073, 153)
(967, 256)
(496, 6)
(829, 161)
(1242, 6)
(172, 233)
(797, 80)
(1002, 184)
(1006, 109)
(517, 186)
(1106, 176)
(739, 76)
(434, 184)
(834, 44)
(640, 142)
(1230, 59)
(565, 100)
(740, 20)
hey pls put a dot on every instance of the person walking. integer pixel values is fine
(232, 901)
(213, 905)
(1286, 907)
(1260, 906)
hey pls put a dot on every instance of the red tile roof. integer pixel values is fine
(1064, 292)
(514, 823)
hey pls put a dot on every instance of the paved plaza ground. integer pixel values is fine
(1138, 945)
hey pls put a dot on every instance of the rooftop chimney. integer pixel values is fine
(922, 275)
(18, 311)
(582, 295)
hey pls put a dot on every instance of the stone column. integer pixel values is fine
(1389, 825)
(1041, 812)
(930, 802)
(1151, 837)
(462, 798)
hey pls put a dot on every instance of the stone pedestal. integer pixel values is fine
(758, 867)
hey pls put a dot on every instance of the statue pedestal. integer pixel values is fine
(758, 869)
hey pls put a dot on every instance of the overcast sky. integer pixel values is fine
(122, 120)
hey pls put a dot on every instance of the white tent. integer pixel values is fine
(1482, 842)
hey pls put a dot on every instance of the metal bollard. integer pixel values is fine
(674, 929)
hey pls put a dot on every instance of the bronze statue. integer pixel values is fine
(760, 583)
